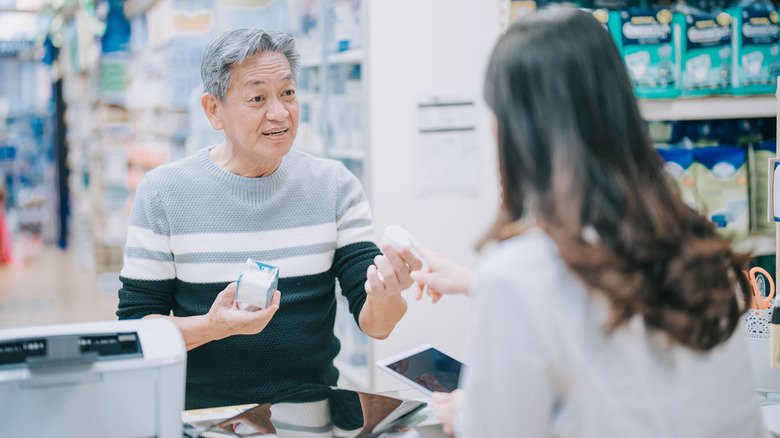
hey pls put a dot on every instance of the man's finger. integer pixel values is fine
(389, 274)
(372, 277)
(399, 265)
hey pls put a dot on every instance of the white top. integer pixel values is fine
(542, 366)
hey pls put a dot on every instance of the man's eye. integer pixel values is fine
(257, 99)
(289, 93)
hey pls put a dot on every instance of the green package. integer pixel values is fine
(759, 155)
(645, 39)
(721, 181)
(756, 63)
(705, 52)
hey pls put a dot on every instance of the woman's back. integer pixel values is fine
(542, 363)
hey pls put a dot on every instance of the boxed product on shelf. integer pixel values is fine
(722, 185)
(759, 155)
(756, 62)
(678, 163)
(645, 39)
(705, 53)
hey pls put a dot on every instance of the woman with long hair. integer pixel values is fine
(614, 309)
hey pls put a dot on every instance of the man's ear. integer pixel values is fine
(212, 107)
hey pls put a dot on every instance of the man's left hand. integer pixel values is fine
(389, 275)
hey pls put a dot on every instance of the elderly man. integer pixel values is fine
(196, 221)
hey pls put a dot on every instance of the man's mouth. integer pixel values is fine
(275, 133)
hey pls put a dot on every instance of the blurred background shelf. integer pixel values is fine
(757, 245)
(709, 108)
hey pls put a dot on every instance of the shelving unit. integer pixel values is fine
(757, 245)
(709, 108)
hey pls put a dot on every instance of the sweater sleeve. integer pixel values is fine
(355, 250)
(148, 276)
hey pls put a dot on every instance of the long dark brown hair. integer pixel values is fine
(575, 153)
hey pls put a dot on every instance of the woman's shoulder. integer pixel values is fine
(531, 251)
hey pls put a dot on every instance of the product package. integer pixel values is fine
(705, 52)
(721, 181)
(759, 155)
(256, 285)
(645, 40)
(756, 63)
(678, 164)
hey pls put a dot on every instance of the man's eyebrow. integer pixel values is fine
(255, 82)
(287, 78)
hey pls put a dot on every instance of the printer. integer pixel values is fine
(101, 379)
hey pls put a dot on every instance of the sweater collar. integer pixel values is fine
(251, 190)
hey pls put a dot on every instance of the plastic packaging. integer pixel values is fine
(256, 285)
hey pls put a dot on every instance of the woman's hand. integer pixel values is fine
(446, 406)
(227, 319)
(441, 275)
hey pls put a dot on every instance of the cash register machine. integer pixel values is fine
(103, 379)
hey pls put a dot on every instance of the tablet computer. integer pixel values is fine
(425, 368)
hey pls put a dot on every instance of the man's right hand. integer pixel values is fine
(227, 320)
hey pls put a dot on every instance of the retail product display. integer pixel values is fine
(679, 166)
(720, 168)
(758, 177)
(644, 38)
(255, 286)
(721, 175)
(696, 48)
(705, 52)
(757, 56)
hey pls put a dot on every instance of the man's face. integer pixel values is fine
(260, 112)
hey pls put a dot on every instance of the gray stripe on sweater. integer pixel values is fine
(241, 256)
(355, 223)
(141, 253)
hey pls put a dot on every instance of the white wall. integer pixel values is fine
(417, 49)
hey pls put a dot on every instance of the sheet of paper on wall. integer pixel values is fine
(448, 156)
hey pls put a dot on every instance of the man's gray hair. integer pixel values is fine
(234, 47)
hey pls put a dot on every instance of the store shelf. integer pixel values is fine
(314, 61)
(709, 108)
(757, 245)
(354, 56)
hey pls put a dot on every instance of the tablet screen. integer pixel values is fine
(431, 369)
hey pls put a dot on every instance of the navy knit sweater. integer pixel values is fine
(193, 226)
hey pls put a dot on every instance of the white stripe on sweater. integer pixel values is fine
(147, 239)
(353, 235)
(263, 240)
(144, 269)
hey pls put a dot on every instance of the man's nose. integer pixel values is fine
(276, 111)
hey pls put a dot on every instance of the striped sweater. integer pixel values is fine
(193, 226)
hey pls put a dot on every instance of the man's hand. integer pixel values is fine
(385, 280)
(227, 320)
(389, 275)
